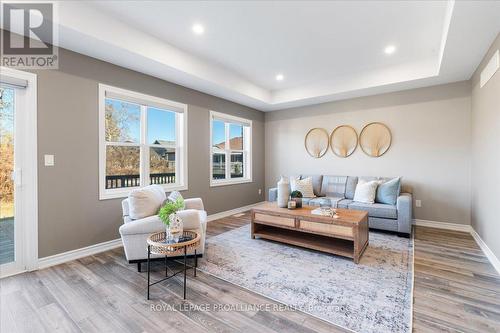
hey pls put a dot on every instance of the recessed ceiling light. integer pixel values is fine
(279, 77)
(198, 29)
(390, 49)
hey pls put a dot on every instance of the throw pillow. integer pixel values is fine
(145, 201)
(174, 195)
(388, 192)
(293, 182)
(305, 187)
(366, 191)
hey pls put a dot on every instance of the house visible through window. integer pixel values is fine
(142, 142)
(230, 149)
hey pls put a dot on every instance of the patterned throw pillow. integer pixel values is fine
(174, 195)
(305, 187)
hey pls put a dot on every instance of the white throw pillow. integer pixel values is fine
(305, 186)
(146, 201)
(366, 191)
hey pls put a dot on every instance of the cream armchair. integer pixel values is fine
(134, 232)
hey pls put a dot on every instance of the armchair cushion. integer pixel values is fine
(145, 201)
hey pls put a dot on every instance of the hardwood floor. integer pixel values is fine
(456, 290)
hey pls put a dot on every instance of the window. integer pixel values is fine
(230, 149)
(142, 142)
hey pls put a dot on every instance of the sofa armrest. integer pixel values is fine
(273, 194)
(404, 206)
(194, 203)
(147, 225)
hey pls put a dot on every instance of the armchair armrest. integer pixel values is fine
(190, 218)
(194, 203)
(273, 194)
(147, 225)
(404, 206)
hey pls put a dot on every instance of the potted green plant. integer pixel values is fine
(297, 197)
(168, 215)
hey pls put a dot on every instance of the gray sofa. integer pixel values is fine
(338, 192)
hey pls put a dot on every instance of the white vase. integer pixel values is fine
(283, 192)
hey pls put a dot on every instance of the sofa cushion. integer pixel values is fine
(325, 201)
(316, 181)
(146, 201)
(350, 187)
(333, 186)
(376, 209)
(388, 192)
(344, 203)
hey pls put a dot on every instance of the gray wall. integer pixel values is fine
(70, 213)
(486, 155)
(430, 148)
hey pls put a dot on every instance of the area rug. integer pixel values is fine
(372, 296)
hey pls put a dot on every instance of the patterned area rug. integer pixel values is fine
(373, 296)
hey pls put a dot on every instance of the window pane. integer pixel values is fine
(218, 135)
(122, 166)
(236, 137)
(161, 165)
(161, 127)
(123, 121)
(218, 166)
(236, 165)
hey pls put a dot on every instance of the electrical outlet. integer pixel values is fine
(418, 203)
(260, 191)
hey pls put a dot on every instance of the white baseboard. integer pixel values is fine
(443, 225)
(227, 213)
(486, 250)
(78, 253)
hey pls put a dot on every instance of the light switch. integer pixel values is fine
(49, 160)
(418, 203)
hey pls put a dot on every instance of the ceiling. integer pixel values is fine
(326, 50)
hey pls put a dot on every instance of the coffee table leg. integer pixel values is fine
(195, 262)
(149, 255)
(185, 249)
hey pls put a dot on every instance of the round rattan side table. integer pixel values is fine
(158, 245)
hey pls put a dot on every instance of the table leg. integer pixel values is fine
(195, 262)
(149, 255)
(185, 263)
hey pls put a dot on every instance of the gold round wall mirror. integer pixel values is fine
(375, 139)
(316, 142)
(343, 141)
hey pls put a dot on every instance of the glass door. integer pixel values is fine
(8, 219)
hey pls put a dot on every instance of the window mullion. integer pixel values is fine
(144, 172)
(227, 151)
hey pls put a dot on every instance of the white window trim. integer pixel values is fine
(181, 142)
(248, 157)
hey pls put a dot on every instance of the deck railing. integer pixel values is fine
(121, 181)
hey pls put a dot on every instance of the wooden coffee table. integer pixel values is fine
(346, 235)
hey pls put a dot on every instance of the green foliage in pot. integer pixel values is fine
(296, 194)
(169, 208)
